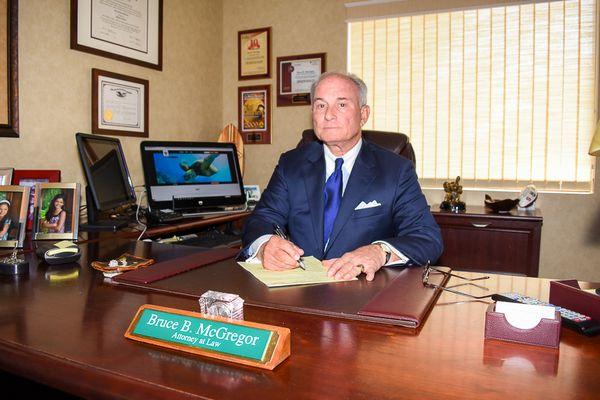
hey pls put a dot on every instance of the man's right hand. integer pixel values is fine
(279, 254)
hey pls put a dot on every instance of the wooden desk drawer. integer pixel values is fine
(477, 240)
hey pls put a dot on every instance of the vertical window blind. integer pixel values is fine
(502, 96)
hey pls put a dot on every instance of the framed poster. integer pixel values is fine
(254, 114)
(28, 178)
(129, 31)
(254, 54)
(13, 215)
(119, 104)
(57, 206)
(295, 76)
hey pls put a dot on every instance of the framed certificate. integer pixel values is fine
(119, 104)
(295, 75)
(255, 114)
(125, 30)
(254, 54)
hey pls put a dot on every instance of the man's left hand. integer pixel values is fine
(367, 259)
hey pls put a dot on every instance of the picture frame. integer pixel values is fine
(56, 219)
(9, 77)
(119, 104)
(131, 32)
(252, 193)
(254, 53)
(14, 203)
(254, 114)
(28, 178)
(295, 76)
(6, 176)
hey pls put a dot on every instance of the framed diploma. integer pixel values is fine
(125, 30)
(119, 104)
(255, 114)
(254, 54)
(295, 75)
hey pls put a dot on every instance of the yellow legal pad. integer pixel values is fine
(315, 273)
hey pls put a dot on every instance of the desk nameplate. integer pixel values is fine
(242, 342)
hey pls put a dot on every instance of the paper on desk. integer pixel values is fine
(524, 316)
(315, 273)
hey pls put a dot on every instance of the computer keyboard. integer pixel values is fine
(211, 239)
(170, 216)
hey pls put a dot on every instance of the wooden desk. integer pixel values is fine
(68, 334)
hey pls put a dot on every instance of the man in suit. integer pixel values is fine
(343, 200)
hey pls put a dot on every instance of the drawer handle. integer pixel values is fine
(480, 225)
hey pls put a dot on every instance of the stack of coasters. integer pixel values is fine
(221, 304)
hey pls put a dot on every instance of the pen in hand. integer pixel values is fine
(279, 232)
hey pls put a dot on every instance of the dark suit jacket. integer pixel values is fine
(294, 200)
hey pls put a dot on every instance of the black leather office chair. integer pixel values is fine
(393, 141)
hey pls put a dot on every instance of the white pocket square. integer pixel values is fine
(362, 205)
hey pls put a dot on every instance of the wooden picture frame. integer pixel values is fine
(28, 178)
(13, 215)
(63, 223)
(119, 104)
(136, 36)
(254, 114)
(9, 78)
(295, 76)
(254, 53)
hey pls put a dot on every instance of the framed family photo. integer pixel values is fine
(57, 211)
(14, 202)
(119, 104)
(129, 31)
(252, 193)
(29, 177)
(254, 114)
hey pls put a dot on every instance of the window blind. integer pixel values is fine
(502, 96)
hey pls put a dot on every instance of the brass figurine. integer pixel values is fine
(452, 197)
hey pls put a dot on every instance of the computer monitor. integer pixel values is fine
(110, 195)
(191, 175)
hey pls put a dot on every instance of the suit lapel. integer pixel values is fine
(314, 182)
(362, 175)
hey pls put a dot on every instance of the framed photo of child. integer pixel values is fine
(29, 177)
(14, 202)
(57, 211)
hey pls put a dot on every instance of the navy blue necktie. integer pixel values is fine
(333, 198)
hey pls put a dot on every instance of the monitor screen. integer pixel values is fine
(196, 174)
(106, 172)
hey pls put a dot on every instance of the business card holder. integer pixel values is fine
(546, 333)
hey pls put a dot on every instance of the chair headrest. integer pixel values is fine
(394, 141)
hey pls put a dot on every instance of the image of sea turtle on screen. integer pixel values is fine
(177, 168)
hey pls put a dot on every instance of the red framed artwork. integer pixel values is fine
(29, 177)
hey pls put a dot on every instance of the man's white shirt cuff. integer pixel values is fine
(255, 248)
(402, 259)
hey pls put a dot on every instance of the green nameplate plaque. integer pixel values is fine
(243, 342)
